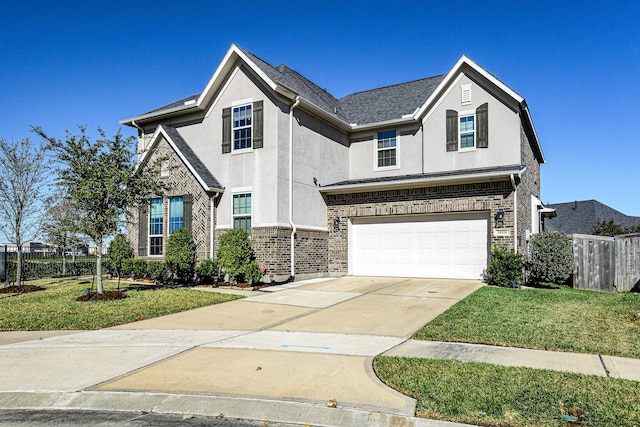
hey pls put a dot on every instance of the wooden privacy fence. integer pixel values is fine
(604, 263)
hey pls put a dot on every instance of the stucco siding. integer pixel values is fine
(504, 131)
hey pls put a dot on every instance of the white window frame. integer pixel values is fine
(242, 215)
(237, 104)
(165, 170)
(377, 150)
(461, 115)
(152, 236)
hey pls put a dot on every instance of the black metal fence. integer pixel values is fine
(41, 264)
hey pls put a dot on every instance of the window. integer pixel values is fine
(386, 149)
(242, 211)
(176, 214)
(467, 132)
(242, 127)
(164, 169)
(156, 222)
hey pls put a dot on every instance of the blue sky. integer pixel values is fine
(67, 62)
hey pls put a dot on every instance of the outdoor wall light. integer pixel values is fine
(500, 217)
(336, 223)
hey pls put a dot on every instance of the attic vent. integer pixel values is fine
(190, 102)
(466, 94)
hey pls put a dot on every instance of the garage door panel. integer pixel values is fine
(436, 246)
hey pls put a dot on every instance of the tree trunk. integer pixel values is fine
(19, 265)
(99, 266)
(64, 262)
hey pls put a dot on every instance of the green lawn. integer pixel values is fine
(56, 308)
(491, 395)
(554, 319)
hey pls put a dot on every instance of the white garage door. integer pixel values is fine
(443, 246)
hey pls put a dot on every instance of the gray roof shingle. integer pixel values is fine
(390, 102)
(207, 177)
(580, 217)
(371, 106)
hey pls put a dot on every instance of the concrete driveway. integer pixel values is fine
(308, 344)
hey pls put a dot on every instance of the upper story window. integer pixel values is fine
(242, 119)
(467, 132)
(165, 170)
(386, 151)
(242, 211)
(243, 127)
(176, 214)
(156, 224)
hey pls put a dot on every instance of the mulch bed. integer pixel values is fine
(22, 289)
(105, 296)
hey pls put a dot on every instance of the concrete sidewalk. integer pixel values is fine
(302, 354)
(590, 364)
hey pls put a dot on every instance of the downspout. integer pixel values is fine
(515, 213)
(293, 226)
(211, 223)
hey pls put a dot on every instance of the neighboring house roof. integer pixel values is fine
(190, 159)
(417, 179)
(580, 217)
(391, 105)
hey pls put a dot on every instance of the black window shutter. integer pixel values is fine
(142, 231)
(258, 124)
(482, 116)
(452, 130)
(187, 202)
(226, 130)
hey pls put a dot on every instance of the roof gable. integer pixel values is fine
(200, 172)
(390, 105)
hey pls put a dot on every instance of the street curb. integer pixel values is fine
(213, 406)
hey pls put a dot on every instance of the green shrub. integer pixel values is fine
(119, 250)
(134, 266)
(207, 270)
(181, 255)
(505, 268)
(551, 258)
(157, 270)
(235, 253)
(252, 272)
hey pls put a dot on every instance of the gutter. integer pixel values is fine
(294, 229)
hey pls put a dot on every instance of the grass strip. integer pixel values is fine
(550, 319)
(492, 395)
(56, 307)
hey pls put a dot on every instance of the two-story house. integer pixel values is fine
(417, 179)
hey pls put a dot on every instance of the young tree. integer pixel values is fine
(102, 181)
(59, 226)
(119, 250)
(23, 187)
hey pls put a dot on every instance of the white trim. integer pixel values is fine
(376, 150)
(153, 141)
(461, 114)
(442, 98)
(237, 192)
(237, 104)
(222, 91)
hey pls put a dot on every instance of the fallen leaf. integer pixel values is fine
(332, 404)
(258, 368)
